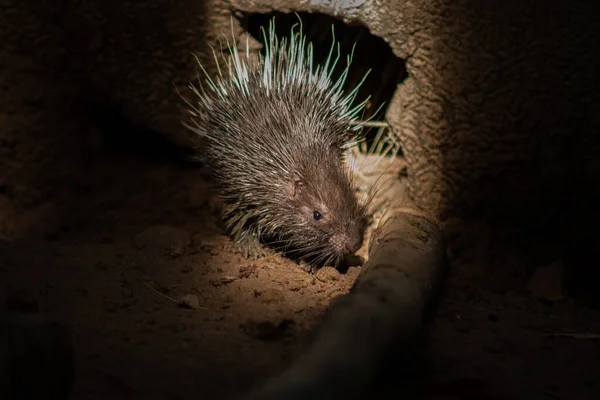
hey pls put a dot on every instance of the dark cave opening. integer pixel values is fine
(371, 54)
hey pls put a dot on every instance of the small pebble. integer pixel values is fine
(190, 301)
(247, 270)
(224, 280)
(326, 274)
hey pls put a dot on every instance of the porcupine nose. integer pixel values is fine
(353, 244)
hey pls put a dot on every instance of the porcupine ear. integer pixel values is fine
(296, 186)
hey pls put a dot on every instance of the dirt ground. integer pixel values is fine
(144, 237)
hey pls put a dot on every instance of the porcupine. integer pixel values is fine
(275, 141)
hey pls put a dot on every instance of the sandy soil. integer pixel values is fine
(144, 238)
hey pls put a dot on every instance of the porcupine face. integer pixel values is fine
(327, 222)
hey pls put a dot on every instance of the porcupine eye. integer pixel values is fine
(317, 216)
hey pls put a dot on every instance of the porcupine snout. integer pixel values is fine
(350, 241)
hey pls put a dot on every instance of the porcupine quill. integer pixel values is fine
(275, 137)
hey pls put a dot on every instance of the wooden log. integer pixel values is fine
(385, 310)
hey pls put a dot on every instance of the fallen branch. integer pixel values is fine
(384, 310)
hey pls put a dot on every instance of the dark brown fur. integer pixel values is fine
(276, 156)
